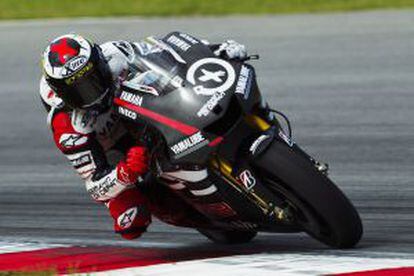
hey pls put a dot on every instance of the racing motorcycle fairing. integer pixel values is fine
(198, 104)
(193, 98)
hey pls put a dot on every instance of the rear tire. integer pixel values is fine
(228, 236)
(327, 214)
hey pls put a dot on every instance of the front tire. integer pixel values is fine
(323, 210)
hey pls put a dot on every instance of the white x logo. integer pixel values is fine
(215, 76)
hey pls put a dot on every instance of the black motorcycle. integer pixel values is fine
(223, 154)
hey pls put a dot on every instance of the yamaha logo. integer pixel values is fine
(188, 143)
(211, 75)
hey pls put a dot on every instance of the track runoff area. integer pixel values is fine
(319, 61)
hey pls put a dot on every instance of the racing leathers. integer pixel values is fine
(99, 146)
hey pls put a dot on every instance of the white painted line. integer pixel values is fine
(14, 247)
(265, 265)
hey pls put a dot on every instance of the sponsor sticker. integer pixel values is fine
(189, 38)
(285, 138)
(81, 161)
(188, 143)
(72, 140)
(211, 75)
(131, 98)
(244, 82)
(210, 104)
(257, 143)
(179, 43)
(127, 113)
(101, 190)
(75, 64)
(215, 76)
(79, 74)
(247, 179)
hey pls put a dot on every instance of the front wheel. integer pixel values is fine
(316, 203)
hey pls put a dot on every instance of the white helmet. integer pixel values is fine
(77, 71)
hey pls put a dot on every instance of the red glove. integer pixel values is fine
(137, 160)
(136, 164)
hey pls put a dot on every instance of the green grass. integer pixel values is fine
(12, 9)
(38, 273)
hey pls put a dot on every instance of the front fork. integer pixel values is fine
(242, 177)
(264, 120)
(245, 182)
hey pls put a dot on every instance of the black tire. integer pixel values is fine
(326, 212)
(228, 236)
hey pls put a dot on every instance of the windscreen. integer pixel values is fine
(158, 71)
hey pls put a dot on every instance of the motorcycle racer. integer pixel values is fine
(77, 87)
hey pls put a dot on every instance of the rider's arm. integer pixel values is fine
(180, 41)
(87, 157)
(228, 49)
(112, 186)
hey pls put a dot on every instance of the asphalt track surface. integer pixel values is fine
(346, 81)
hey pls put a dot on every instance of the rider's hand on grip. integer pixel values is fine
(134, 165)
(232, 50)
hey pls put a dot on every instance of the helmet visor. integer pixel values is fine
(84, 89)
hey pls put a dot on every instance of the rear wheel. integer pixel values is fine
(315, 202)
(228, 236)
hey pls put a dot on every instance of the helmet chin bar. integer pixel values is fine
(102, 104)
